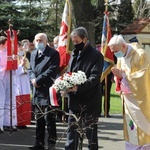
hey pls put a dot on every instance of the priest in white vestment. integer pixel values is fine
(133, 82)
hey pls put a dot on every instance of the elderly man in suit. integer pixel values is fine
(44, 66)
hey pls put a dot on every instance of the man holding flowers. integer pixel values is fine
(84, 99)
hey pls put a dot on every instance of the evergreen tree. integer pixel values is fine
(113, 12)
(28, 26)
(125, 14)
(32, 18)
(99, 15)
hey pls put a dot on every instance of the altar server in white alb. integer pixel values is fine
(5, 117)
(22, 78)
(22, 89)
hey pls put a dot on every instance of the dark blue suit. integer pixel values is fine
(44, 69)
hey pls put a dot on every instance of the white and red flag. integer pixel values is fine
(64, 36)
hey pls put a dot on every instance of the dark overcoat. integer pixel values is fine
(43, 69)
(90, 61)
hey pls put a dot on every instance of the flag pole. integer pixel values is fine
(10, 28)
(69, 25)
(12, 61)
(106, 89)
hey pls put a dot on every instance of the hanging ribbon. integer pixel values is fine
(15, 61)
(53, 96)
(12, 49)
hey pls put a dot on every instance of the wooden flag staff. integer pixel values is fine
(106, 89)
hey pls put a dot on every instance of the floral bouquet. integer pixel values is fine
(64, 82)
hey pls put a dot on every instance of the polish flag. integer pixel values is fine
(64, 37)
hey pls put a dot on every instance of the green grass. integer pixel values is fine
(115, 102)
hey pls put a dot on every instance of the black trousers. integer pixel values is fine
(45, 118)
(109, 84)
(88, 123)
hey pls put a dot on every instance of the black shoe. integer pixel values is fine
(1, 130)
(8, 128)
(21, 127)
(51, 147)
(108, 116)
(37, 147)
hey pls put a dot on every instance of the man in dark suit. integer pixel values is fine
(103, 85)
(44, 66)
(108, 92)
(84, 100)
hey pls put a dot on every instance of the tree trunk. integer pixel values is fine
(83, 16)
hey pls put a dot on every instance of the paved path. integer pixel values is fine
(110, 136)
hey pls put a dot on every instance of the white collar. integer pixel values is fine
(128, 50)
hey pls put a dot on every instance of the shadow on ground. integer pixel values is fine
(109, 132)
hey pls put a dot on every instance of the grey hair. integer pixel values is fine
(45, 36)
(56, 38)
(80, 31)
(116, 39)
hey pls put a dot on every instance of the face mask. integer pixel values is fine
(21, 53)
(119, 54)
(79, 46)
(39, 46)
(55, 46)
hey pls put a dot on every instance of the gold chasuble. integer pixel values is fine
(137, 102)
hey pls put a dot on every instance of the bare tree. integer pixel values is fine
(82, 123)
(141, 8)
